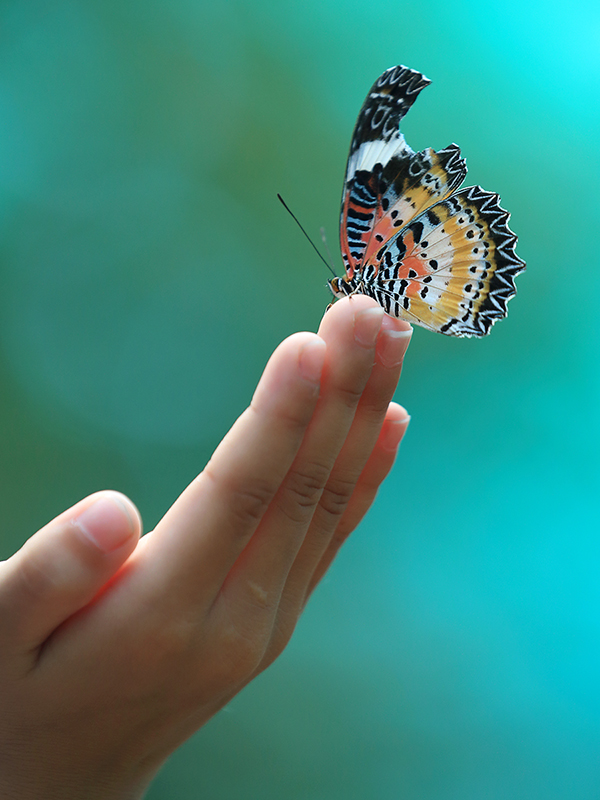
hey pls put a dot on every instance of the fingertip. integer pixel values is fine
(109, 521)
(393, 341)
(64, 565)
(396, 422)
(299, 356)
(344, 311)
(311, 359)
(397, 325)
(397, 413)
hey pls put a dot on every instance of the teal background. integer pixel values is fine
(147, 272)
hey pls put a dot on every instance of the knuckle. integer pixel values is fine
(248, 501)
(293, 416)
(369, 486)
(38, 577)
(303, 488)
(336, 495)
(374, 409)
(350, 395)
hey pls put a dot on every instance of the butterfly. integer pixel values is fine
(425, 250)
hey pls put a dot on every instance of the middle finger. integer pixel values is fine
(350, 330)
(391, 348)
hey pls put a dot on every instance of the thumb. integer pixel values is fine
(63, 566)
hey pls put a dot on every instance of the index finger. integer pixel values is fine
(200, 537)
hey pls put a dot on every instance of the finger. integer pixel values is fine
(391, 348)
(198, 540)
(375, 471)
(63, 566)
(350, 329)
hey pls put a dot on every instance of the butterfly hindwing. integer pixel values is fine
(452, 268)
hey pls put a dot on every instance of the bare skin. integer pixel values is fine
(115, 649)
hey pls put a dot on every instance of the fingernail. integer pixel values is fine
(367, 324)
(393, 344)
(311, 360)
(394, 431)
(107, 523)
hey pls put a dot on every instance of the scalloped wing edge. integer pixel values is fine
(508, 265)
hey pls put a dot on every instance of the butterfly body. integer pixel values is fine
(425, 250)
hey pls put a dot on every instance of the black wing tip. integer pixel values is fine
(390, 97)
(411, 81)
(401, 83)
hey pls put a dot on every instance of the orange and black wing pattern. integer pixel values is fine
(429, 252)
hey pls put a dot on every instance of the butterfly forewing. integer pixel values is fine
(408, 189)
(376, 140)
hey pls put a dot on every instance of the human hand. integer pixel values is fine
(113, 651)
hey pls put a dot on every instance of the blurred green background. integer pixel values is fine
(147, 272)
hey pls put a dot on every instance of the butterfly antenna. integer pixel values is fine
(313, 245)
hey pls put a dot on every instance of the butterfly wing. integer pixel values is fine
(441, 258)
(452, 268)
(387, 184)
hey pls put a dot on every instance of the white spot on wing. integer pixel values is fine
(377, 152)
